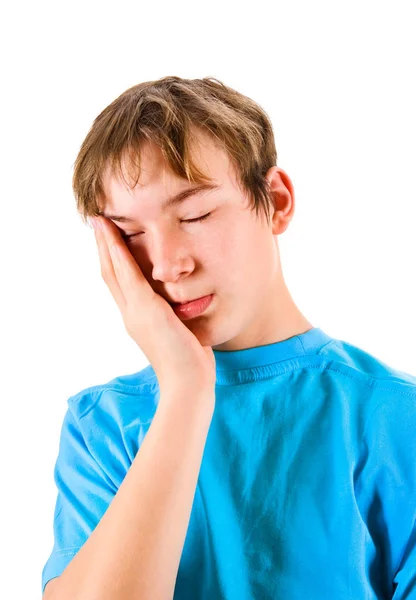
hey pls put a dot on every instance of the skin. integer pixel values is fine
(233, 254)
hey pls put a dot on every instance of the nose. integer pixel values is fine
(170, 260)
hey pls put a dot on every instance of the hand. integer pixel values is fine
(175, 353)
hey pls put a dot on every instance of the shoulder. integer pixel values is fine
(139, 391)
(111, 419)
(106, 423)
(365, 366)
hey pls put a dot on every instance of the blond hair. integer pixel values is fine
(165, 111)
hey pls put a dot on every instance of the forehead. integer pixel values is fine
(157, 182)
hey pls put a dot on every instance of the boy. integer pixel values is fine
(256, 457)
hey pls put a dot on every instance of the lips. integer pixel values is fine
(172, 303)
(195, 308)
(182, 303)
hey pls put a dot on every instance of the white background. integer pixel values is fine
(338, 82)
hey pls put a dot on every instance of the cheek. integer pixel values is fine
(248, 258)
(237, 244)
(231, 261)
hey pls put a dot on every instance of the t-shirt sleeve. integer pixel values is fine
(388, 499)
(84, 493)
(404, 584)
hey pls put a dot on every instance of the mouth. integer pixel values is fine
(186, 301)
(193, 308)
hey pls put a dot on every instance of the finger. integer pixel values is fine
(128, 273)
(108, 272)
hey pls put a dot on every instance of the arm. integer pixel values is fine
(387, 490)
(404, 583)
(135, 550)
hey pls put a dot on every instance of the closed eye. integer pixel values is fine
(126, 237)
(197, 219)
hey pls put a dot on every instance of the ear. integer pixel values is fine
(283, 197)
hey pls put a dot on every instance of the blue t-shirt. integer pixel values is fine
(307, 486)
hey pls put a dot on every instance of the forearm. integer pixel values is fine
(135, 550)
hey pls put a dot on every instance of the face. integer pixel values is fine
(231, 253)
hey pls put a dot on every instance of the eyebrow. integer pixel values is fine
(177, 199)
